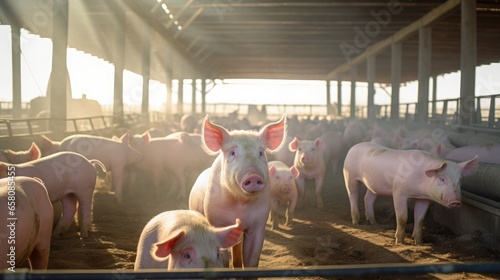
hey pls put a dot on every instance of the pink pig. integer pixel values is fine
(69, 178)
(283, 190)
(183, 239)
(11, 156)
(32, 221)
(311, 165)
(489, 153)
(114, 154)
(403, 174)
(237, 184)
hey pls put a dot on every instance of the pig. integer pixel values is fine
(114, 154)
(354, 132)
(311, 165)
(403, 174)
(183, 239)
(32, 221)
(236, 186)
(283, 190)
(70, 178)
(11, 156)
(488, 153)
(284, 154)
(181, 153)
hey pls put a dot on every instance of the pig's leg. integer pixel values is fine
(353, 192)
(370, 198)
(252, 247)
(118, 183)
(274, 214)
(290, 211)
(39, 257)
(421, 206)
(319, 187)
(85, 213)
(68, 203)
(401, 210)
(301, 185)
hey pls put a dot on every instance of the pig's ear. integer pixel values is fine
(294, 144)
(469, 167)
(230, 235)
(274, 134)
(319, 143)
(432, 172)
(213, 136)
(125, 137)
(272, 170)
(34, 151)
(295, 171)
(46, 142)
(161, 250)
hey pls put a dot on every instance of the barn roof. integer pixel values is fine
(262, 38)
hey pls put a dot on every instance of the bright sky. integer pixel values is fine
(94, 77)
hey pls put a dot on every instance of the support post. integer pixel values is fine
(468, 61)
(203, 96)
(328, 97)
(16, 71)
(168, 103)
(146, 61)
(370, 71)
(180, 97)
(339, 95)
(354, 76)
(59, 75)
(193, 96)
(396, 55)
(119, 63)
(434, 96)
(424, 71)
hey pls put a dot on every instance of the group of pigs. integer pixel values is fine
(241, 176)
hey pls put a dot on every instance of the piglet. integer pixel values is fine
(236, 186)
(310, 162)
(28, 214)
(69, 178)
(11, 156)
(403, 175)
(283, 190)
(183, 239)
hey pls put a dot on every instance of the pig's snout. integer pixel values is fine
(253, 183)
(305, 159)
(286, 189)
(455, 204)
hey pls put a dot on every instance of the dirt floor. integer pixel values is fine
(318, 237)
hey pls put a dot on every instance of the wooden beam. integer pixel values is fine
(189, 21)
(16, 71)
(193, 95)
(119, 63)
(180, 97)
(428, 19)
(339, 95)
(468, 60)
(328, 98)
(146, 65)
(203, 95)
(178, 14)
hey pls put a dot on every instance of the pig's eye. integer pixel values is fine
(232, 153)
(186, 256)
(261, 153)
(441, 180)
(278, 177)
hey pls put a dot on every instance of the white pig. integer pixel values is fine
(183, 239)
(283, 190)
(310, 162)
(403, 175)
(237, 184)
(28, 218)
